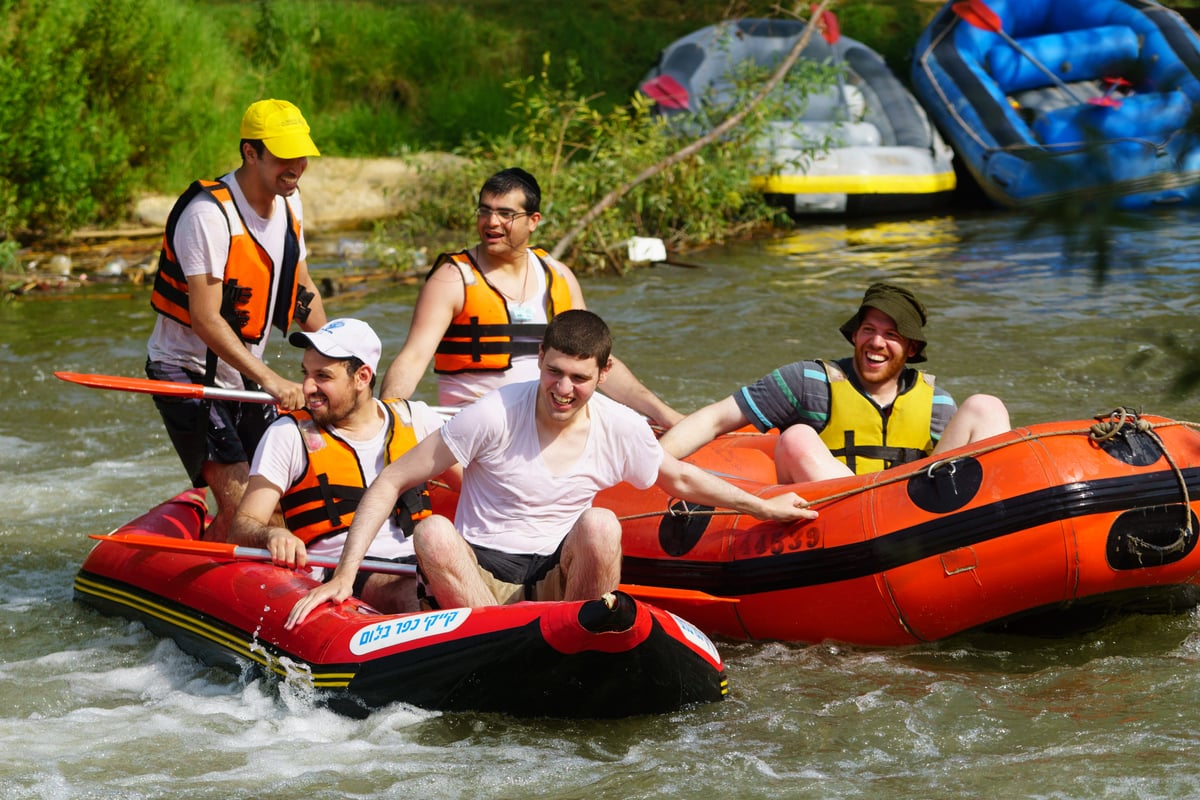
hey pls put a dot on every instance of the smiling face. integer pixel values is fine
(880, 352)
(331, 393)
(274, 176)
(567, 384)
(501, 239)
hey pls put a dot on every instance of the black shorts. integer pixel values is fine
(520, 568)
(208, 430)
(510, 577)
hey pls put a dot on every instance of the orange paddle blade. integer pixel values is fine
(979, 14)
(827, 24)
(169, 543)
(653, 593)
(163, 388)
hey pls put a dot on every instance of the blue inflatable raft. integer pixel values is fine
(1046, 101)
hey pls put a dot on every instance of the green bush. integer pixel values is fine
(89, 106)
(103, 99)
(580, 153)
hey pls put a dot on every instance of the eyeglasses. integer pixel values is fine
(506, 215)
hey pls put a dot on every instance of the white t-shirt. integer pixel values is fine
(462, 388)
(202, 248)
(281, 458)
(510, 500)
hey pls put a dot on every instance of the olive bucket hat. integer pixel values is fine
(898, 303)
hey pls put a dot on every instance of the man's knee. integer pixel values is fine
(436, 535)
(596, 528)
(987, 412)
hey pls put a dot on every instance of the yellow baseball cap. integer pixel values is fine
(281, 127)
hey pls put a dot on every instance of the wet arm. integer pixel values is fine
(440, 299)
(621, 384)
(205, 296)
(429, 458)
(624, 387)
(689, 482)
(701, 427)
(253, 526)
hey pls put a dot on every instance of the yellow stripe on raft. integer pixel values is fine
(855, 184)
(320, 679)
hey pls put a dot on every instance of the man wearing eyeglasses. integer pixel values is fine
(482, 312)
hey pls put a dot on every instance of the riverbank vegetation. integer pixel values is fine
(103, 100)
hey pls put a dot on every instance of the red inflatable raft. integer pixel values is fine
(1047, 529)
(610, 657)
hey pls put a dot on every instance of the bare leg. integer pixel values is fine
(391, 594)
(980, 416)
(227, 482)
(591, 555)
(449, 564)
(801, 456)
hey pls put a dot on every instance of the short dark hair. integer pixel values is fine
(352, 364)
(258, 145)
(580, 334)
(507, 180)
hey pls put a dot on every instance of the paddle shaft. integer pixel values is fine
(164, 388)
(979, 14)
(238, 552)
(122, 383)
(226, 550)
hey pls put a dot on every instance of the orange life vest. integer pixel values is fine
(322, 502)
(249, 272)
(480, 337)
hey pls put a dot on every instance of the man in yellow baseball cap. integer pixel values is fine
(233, 266)
(281, 127)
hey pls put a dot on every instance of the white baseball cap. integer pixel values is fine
(343, 338)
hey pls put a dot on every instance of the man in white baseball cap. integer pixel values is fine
(343, 339)
(315, 463)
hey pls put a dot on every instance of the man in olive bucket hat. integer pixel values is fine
(854, 415)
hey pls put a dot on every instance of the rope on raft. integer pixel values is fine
(1105, 430)
(1109, 426)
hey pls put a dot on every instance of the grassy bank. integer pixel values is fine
(102, 99)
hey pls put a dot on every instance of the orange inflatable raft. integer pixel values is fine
(1047, 529)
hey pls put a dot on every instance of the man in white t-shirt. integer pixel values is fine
(233, 265)
(316, 462)
(534, 455)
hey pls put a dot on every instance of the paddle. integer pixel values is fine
(666, 91)
(979, 14)
(1107, 99)
(164, 388)
(179, 389)
(237, 552)
(827, 23)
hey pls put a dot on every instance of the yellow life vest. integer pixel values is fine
(323, 500)
(249, 272)
(480, 337)
(866, 439)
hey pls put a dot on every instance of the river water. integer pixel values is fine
(95, 707)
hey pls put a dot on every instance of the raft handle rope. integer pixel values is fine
(1117, 421)
(1109, 426)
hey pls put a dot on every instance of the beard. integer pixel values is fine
(876, 374)
(330, 415)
